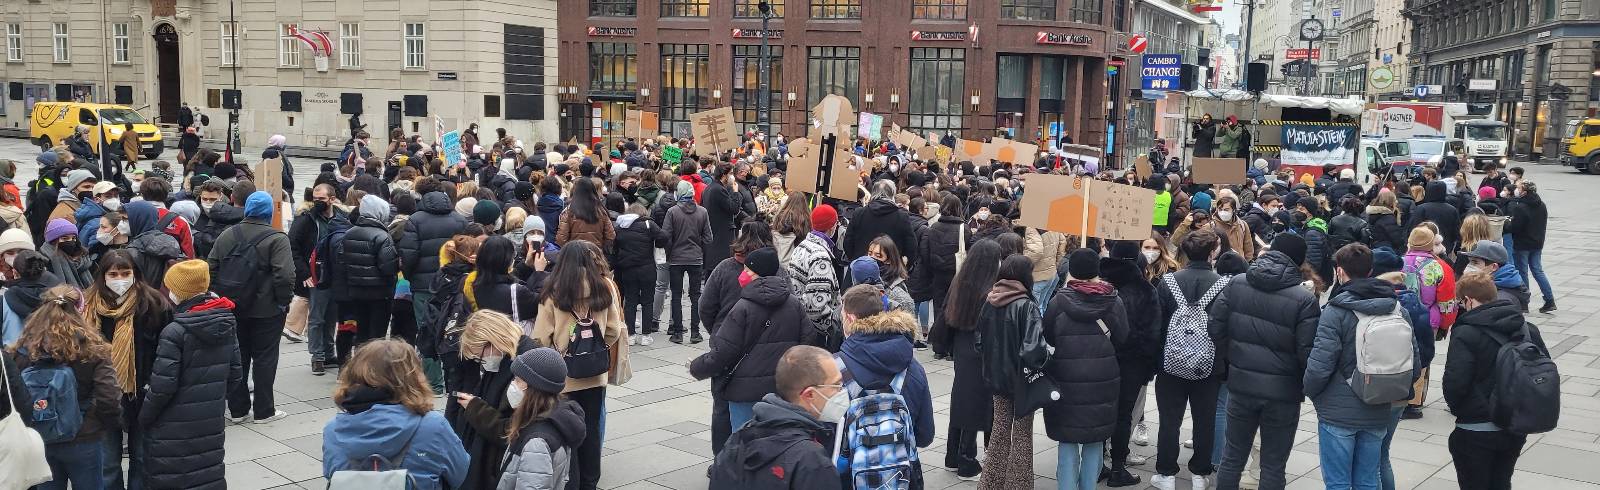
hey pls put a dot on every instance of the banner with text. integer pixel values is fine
(1315, 144)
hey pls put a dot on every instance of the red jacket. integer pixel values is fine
(179, 229)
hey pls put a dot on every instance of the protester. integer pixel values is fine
(689, 232)
(197, 364)
(1086, 323)
(367, 269)
(1009, 327)
(1349, 431)
(765, 322)
(878, 346)
(259, 310)
(634, 260)
(963, 305)
(544, 428)
(1190, 375)
(807, 259)
(788, 430)
(57, 340)
(24, 294)
(385, 410)
(130, 316)
(935, 270)
(1485, 452)
(479, 409)
(1527, 229)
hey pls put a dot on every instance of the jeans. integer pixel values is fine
(739, 413)
(662, 271)
(721, 427)
(1278, 421)
(1349, 456)
(1219, 433)
(1386, 470)
(320, 325)
(1043, 291)
(80, 463)
(925, 317)
(1485, 460)
(1172, 393)
(1078, 465)
(585, 464)
(676, 276)
(431, 368)
(1533, 261)
(258, 349)
(372, 319)
(637, 300)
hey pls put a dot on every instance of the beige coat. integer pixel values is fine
(553, 328)
(1046, 250)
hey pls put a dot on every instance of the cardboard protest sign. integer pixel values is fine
(906, 139)
(641, 124)
(1086, 207)
(1015, 152)
(870, 126)
(630, 124)
(1221, 171)
(1125, 211)
(845, 177)
(977, 152)
(715, 129)
(804, 166)
(452, 147)
(672, 154)
(833, 115)
(1141, 167)
(269, 175)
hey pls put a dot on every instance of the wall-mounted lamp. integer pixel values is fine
(791, 100)
(894, 99)
(975, 98)
(644, 93)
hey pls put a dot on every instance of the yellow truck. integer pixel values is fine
(54, 122)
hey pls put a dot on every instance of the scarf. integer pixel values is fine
(121, 338)
(1090, 287)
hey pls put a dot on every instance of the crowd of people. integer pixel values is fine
(513, 282)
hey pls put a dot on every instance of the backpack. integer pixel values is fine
(1384, 349)
(875, 447)
(384, 475)
(57, 415)
(1526, 398)
(240, 272)
(327, 250)
(587, 354)
(447, 317)
(1188, 352)
(165, 225)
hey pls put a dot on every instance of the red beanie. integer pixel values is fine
(823, 218)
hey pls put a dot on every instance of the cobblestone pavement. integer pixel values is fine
(657, 436)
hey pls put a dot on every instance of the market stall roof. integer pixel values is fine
(1351, 107)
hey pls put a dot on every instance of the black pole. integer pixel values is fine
(1249, 28)
(764, 100)
(233, 114)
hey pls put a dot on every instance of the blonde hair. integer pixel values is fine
(1475, 227)
(491, 328)
(391, 365)
(515, 217)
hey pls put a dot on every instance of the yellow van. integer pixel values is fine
(54, 122)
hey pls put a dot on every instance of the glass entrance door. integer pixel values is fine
(613, 115)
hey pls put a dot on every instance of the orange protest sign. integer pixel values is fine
(1087, 207)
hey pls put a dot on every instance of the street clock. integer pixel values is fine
(1311, 30)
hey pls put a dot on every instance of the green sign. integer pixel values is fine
(672, 154)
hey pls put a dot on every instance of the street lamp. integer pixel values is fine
(764, 101)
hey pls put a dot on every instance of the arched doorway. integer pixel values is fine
(168, 84)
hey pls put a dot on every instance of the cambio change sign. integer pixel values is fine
(1160, 72)
(1318, 145)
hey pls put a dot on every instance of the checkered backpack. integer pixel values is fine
(875, 446)
(1189, 352)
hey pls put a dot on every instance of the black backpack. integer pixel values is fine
(587, 354)
(241, 271)
(1526, 397)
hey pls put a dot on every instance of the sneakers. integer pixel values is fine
(293, 338)
(1141, 435)
(1188, 443)
(1197, 482)
(920, 345)
(318, 368)
(633, 340)
(1548, 307)
(969, 471)
(1412, 412)
(695, 338)
(646, 340)
(1164, 482)
(276, 415)
(1135, 459)
(240, 419)
(676, 338)
(1122, 478)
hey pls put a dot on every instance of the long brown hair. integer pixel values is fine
(578, 283)
(56, 329)
(148, 300)
(794, 218)
(387, 364)
(536, 406)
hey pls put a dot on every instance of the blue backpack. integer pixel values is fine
(57, 415)
(876, 447)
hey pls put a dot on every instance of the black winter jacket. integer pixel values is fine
(496, 295)
(1528, 220)
(304, 233)
(723, 211)
(936, 264)
(197, 363)
(1340, 189)
(1263, 326)
(1142, 302)
(1383, 229)
(1469, 365)
(637, 239)
(1005, 323)
(1434, 208)
(880, 217)
(721, 293)
(783, 447)
(426, 230)
(273, 252)
(765, 323)
(1084, 365)
(1346, 229)
(368, 266)
(211, 224)
(482, 425)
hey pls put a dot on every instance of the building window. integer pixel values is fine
(1028, 9)
(939, 9)
(835, 9)
(832, 70)
(1086, 11)
(288, 46)
(1549, 10)
(685, 85)
(61, 43)
(938, 88)
(119, 43)
(13, 42)
(416, 45)
(524, 75)
(747, 84)
(613, 69)
(349, 45)
(685, 8)
(752, 8)
(229, 45)
(613, 8)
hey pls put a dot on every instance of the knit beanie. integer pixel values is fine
(188, 279)
(824, 217)
(763, 261)
(1231, 263)
(1126, 249)
(258, 205)
(485, 213)
(1291, 245)
(684, 192)
(1083, 264)
(542, 368)
(466, 206)
(57, 228)
(76, 178)
(523, 191)
(864, 270)
(16, 239)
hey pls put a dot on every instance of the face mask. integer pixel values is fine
(120, 286)
(206, 206)
(492, 363)
(111, 204)
(513, 395)
(104, 238)
(1472, 269)
(122, 228)
(1150, 256)
(981, 216)
(833, 410)
(1225, 215)
(1273, 210)
(746, 277)
(85, 195)
(319, 207)
(71, 248)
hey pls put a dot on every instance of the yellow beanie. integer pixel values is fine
(188, 278)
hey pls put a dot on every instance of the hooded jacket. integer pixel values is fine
(197, 363)
(1434, 208)
(880, 217)
(878, 348)
(436, 459)
(688, 232)
(782, 447)
(1333, 355)
(765, 323)
(1383, 228)
(809, 266)
(434, 223)
(273, 252)
(22, 296)
(550, 209)
(1510, 286)
(720, 293)
(482, 425)
(1528, 220)
(936, 267)
(637, 239)
(1084, 364)
(370, 262)
(1264, 327)
(1469, 365)
(152, 248)
(541, 457)
(212, 223)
